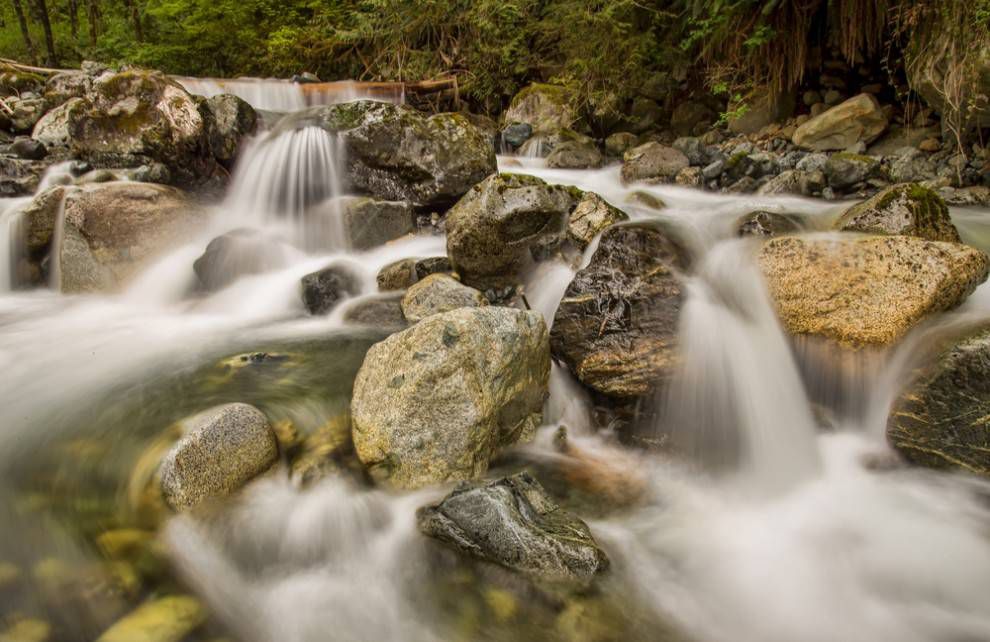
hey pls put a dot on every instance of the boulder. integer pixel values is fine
(653, 163)
(866, 290)
(619, 143)
(404, 272)
(369, 222)
(543, 107)
(53, 128)
(644, 115)
(324, 289)
(67, 85)
(229, 120)
(397, 153)
(434, 403)
(383, 311)
(123, 226)
(240, 253)
(24, 113)
(761, 109)
(162, 619)
(844, 170)
(28, 148)
(20, 177)
(794, 181)
(14, 81)
(576, 153)
(438, 293)
(221, 449)
(616, 326)
(513, 522)
(857, 120)
(494, 229)
(941, 419)
(763, 223)
(690, 118)
(590, 217)
(909, 209)
(515, 134)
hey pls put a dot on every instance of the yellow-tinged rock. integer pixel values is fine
(27, 630)
(166, 619)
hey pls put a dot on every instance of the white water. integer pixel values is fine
(786, 537)
(272, 94)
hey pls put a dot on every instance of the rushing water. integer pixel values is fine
(757, 526)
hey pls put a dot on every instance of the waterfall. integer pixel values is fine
(272, 94)
(737, 403)
(11, 240)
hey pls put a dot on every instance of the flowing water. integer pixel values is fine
(758, 524)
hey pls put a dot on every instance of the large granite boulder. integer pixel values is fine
(545, 108)
(575, 152)
(616, 326)
(324, 289)
(493, 231)
(221, 449)
(397, 153)
(513, 522)
(653, 163)
(592, 215)
(229, 121)
(942, 419)
(438, 293)
(434, 403)
(911, 209)
(866, 290)
(857, 120)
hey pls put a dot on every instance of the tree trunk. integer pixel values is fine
(135, 18)
(93, 16)
(46, 24)
(74, 20)
(19, 10)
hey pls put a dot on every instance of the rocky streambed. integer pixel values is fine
(347, 374)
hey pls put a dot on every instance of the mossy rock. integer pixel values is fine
(909, 209)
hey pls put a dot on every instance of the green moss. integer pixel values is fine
(555, 93)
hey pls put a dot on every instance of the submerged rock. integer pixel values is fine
(493, 231)
(439, 293)
(763, 223)
(590, 217)
(221, 450)
(403, 273)
(434, 403)
(653, 163)
(909, 209)
(239, 253)
(616, 326)
(857, 120)
(163, 619)
(866, 290)
(943, 418)
(324, 289)
(513, 522)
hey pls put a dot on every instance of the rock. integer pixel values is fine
(28, 148)
(25, 112)
(930, 145)
(763, 223)
(690, 117)
(690, 177)
(939, 67)
(619, 143)
(590, 217)
(844, 170)
(912, 166)
(515, 134)
(909, 209)
(646, 200)
(323, 290)
(493, 231)
(237, 254)
(581, 153)
(230, 120)
(866, 290)
(653, 162)
(762, 110)
(435, 402)
(67, 85)
(858, 119)
(897, 138)
(794, 181)
(221, 449)
(369, 222)
(396, 153)
(940, 420)
(26, 630)
(616, 326)
(438, 293)
(383, 311)
(644, 115)
(545, 108)
(977, 195)
(812, 163)
(693, 149)
(513, 522)
(53, 128)
(121, 227)
(163, 619)
(14, 81)
(403, 273)
(713, 170)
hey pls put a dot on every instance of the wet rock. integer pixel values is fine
(229, 121)
(691, 117)
(163, 619)
(122, 226)
(237, 254)
(713, 169)
(515, 134)
(545, 108)
(977, 195)
(65, 86)
(646, 200)
(513, 522)
(693, 149)
(438, 293)
(866, 290)
(616, 327)
(397, 153)
(435, 402)
(493, 231)
(19, 177)
(369, 222)
(912, 166)
(763, 223)
(28, 148)
(24, 113)
(576, 153)
(221, 450)
(845, 170)
(382, 311)
(941, 419)
(909, 209)
(590, 217)
(690, 177)
(403, 273)
(619, 143)
(324, 289)
(793, 181)
(27, 630)
(858, 119)
(53, 128)
(653, 162)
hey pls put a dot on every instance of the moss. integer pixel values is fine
(555, 93)
(735, 159)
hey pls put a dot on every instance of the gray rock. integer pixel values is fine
(438, 293)
(693, 149)
(221, 450)
(644, 115)
(513, 522)
(713, 169)
(592, 215)
(812, 163)
(401, 274)
(857, 119)
(369, 223)
(575, 154)
(229, 120)
(324, 289)
(28, 148)
(434, 403)
(763, 223)
(653, 162)
(545, 108)
(26, 112)
(845, 169)
(239, 253)
(383, 311)
(619, 143)
(908, 209)
(515, 134)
